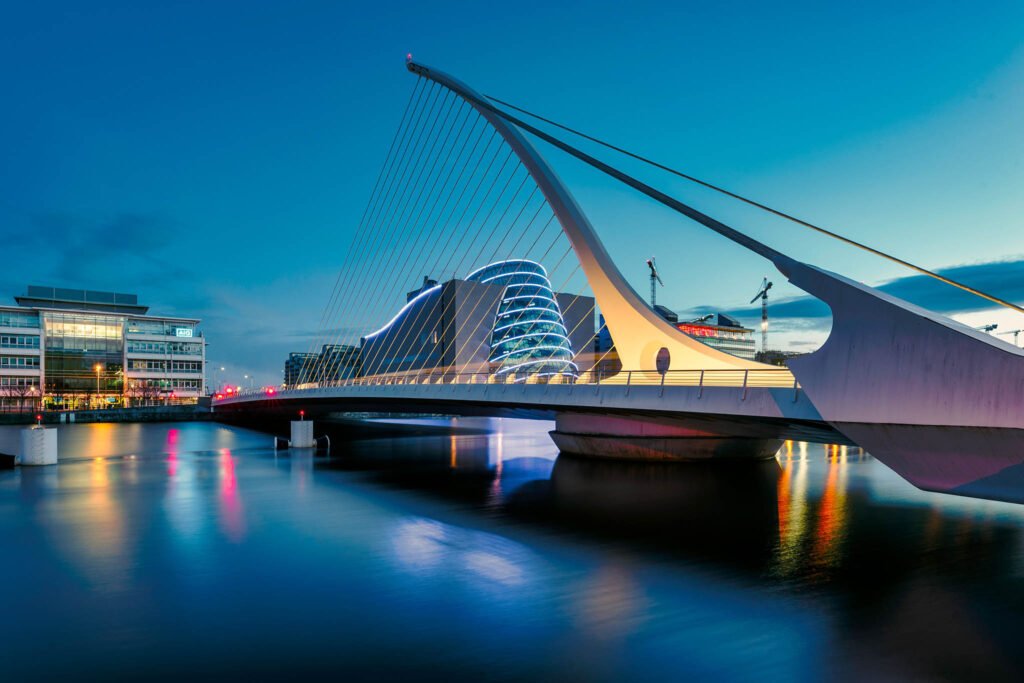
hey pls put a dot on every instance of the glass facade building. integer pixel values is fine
(67, 349)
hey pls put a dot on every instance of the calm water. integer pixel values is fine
(192, 551)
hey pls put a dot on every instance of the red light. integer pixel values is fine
(228, 390)
(270, 391)
(408, 57)
(220, 396)
(38, 418)
(302, 413)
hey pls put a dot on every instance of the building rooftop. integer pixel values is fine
(80, 299)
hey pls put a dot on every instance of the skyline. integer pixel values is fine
(185, 174)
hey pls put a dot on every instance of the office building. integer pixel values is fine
(63, 349)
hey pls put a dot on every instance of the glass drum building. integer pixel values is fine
(528, 336)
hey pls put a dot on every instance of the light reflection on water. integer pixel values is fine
(468, 554)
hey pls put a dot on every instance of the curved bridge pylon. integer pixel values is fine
(639, 332)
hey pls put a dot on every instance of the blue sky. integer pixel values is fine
(215, 157)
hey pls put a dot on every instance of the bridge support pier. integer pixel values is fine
(38, 446)
(654, 438)
(302, 434)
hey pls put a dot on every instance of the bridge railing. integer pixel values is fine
(753, 378)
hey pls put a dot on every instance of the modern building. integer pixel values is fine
(299, 367)
(335, 362)
(502, 320)
(528, 336)
(76, 349)
(722, 332)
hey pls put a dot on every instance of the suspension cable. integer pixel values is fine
(759, 205)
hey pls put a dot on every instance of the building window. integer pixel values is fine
(18, 319)
(19, 341)
(21, 362)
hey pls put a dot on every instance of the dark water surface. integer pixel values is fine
(192, 551)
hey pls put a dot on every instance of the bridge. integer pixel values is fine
(465, 195)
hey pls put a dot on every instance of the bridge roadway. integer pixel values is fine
(638, 416)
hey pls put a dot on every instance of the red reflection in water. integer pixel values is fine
(172, 452)
(231, 516)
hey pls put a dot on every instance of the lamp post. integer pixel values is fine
(98, 368)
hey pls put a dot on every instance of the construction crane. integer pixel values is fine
(987, 328)
(655, 280)
(1015, 333)
(762, 294)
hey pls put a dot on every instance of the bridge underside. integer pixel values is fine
(598, 430)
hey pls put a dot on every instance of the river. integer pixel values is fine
(195, 551)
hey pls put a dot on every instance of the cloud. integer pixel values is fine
(1004, 279)
(105, 253)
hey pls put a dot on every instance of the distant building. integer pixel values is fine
(777, 357)
(606, 361)
(299, 367)
(668, 314)
(722, 332)
(334, 362)
(501, 320)
(76, 349)
(337, 362)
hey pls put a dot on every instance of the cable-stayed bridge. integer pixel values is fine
(473, 286)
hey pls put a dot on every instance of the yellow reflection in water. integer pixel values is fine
(93, 528)
(811, 533)
(832, 510)
(793, 509)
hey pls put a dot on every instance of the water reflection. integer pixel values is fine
(232, 517)
(504, 556)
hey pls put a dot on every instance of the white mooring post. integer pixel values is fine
(38, 446)
(302, 432)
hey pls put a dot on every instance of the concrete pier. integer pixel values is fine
(38, 446)
(302, 434)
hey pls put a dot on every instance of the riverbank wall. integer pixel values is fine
(185, 413)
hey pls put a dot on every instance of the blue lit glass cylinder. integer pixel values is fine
(528, 336)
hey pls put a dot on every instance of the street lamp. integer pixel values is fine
(98, 368)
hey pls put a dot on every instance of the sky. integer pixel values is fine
(216, 157)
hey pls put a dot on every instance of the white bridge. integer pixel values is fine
(937, 401)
